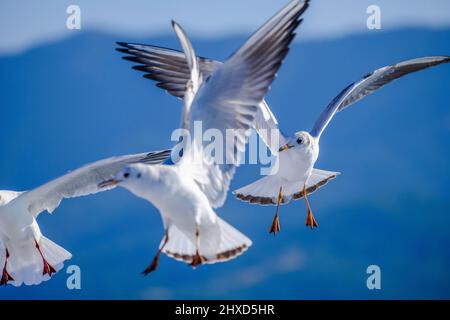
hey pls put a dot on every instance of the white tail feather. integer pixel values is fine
(25, 264)
(265, 190)
(218, 244)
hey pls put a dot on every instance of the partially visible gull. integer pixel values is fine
(296, 176)
(26, 256)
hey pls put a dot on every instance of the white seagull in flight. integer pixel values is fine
(301, 150)
(187, 191)
(26, 256)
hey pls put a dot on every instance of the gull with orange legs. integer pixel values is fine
(168, 68)
(296, 176)
(188, 188)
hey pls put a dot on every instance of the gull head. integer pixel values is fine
(127, 177)
(140, 179)
(300, 140)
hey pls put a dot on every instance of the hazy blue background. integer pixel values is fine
(35, 22)
(69, 102)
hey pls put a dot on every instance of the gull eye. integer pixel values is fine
(126, 175)
(299, 141)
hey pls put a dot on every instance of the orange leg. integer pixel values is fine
(154, 265)
(310, 220)
(198, 259)
(276, 221)
(5, 275)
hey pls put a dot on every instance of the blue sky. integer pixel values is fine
(389, 207)
(26, 23)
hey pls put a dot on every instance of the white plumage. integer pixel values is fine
(296, 165)
(186, 192)
(26, 256)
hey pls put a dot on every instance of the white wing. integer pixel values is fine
(83, 181)
(195, 79)
(369, 84)
(266, 125)
(228, 99)
(169, 69)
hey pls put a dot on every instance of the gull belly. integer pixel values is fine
(296, 164)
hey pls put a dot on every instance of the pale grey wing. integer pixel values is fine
(196, 78)
(229, 98)
(369, 84)
(266, 125)
(167, 67)
(84, 181)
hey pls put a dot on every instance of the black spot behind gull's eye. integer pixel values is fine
(139, 175)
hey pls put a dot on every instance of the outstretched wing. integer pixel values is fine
(167, 67)
(266, 125)
(229, 99)
(369, 84)
(84, 181)
(195, 80)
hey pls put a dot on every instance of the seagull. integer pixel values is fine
(26, 256)
(186, 191)
(300, 150)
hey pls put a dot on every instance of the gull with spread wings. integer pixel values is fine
(296, 176)
(187, 189)
(300, 151)
(26, 256)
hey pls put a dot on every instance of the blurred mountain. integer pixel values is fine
(73, 102)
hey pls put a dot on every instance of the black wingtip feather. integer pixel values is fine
(132, 59)
(123, 50)
(150, 76)
(140, 68)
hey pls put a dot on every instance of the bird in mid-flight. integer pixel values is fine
(296, 177)
(188, 189)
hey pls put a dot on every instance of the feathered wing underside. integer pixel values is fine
(229, 99)
(209, 177)
(169, 69)
(266, 125)
(195, 80)
(265, 190)
(84, 181)
(369, 84)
